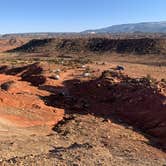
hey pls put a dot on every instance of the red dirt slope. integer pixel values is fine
(20, 101)
(135, 101)
(26, 100)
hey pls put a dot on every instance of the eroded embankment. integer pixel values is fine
(95, 45)
(139, 102)
(20, 98)
(26, 100)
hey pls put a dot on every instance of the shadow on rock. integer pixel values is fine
(114, 96)
(31, 73)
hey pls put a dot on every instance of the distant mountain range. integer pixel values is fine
(145, 27)
(36, 35)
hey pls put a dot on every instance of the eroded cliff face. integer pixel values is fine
(95, 45)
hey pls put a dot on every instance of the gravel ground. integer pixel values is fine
(80, 140)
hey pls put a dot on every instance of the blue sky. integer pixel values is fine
(75, 15)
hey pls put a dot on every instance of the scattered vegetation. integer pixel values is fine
(82, 45)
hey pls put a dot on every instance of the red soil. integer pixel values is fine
(21, 103)
(11, 43)
(135, 101)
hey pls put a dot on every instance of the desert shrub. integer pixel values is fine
(163, 80)
(151, 80)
